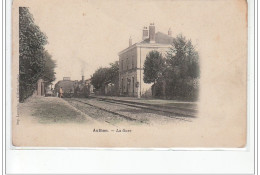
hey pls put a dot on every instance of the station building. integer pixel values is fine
(131, 61)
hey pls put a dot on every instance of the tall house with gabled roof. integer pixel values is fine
(131, 61)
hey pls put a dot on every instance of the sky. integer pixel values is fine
(84, 35)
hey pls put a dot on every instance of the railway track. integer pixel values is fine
(173, 115)
(175, 111)
(111, 112)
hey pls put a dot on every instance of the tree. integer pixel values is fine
(183, 59)
(113, 72)
(182, 69)
(153, 67)
(48, 74)
(99, 77)
(32, 56)
(107, 75)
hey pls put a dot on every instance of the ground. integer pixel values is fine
(52, 121)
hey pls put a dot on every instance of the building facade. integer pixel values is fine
(131, 61)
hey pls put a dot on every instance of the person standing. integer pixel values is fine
(61, 92)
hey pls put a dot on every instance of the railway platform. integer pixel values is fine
(51, 110)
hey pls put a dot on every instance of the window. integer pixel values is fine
(126, 63)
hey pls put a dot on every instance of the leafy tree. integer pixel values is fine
(153, 67)
(107, 74)
(99, 77)
(32, 56)
(182, 69)
(113, 72)
(48, 74)
(183, 59)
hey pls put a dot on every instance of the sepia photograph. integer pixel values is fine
(129, 74)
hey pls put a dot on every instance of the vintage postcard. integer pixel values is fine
(129, 74)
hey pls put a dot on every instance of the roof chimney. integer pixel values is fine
(152, 33)
(170, 32)
(145, 33)
(130, 41)
(83, 78)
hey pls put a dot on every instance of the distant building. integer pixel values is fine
(66, 78)
(66, 84)
(110, 88)
(131, 61)
(75, 88)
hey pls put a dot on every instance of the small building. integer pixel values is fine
(131, 61)
(76, 88)
(111, 89)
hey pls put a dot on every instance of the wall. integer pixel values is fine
(128, 60)
(129, 68)
(145, 90)
(127, 73)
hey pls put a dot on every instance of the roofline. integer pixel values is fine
(140, 44)
(145, 45)
(128, 48)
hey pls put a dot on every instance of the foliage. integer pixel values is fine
(177, 76)
(153, 67)
(104, 75)
(99, 77)
(182, 69)
(113, 72)
(32, 56)
(48, 74)
(183, 59)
